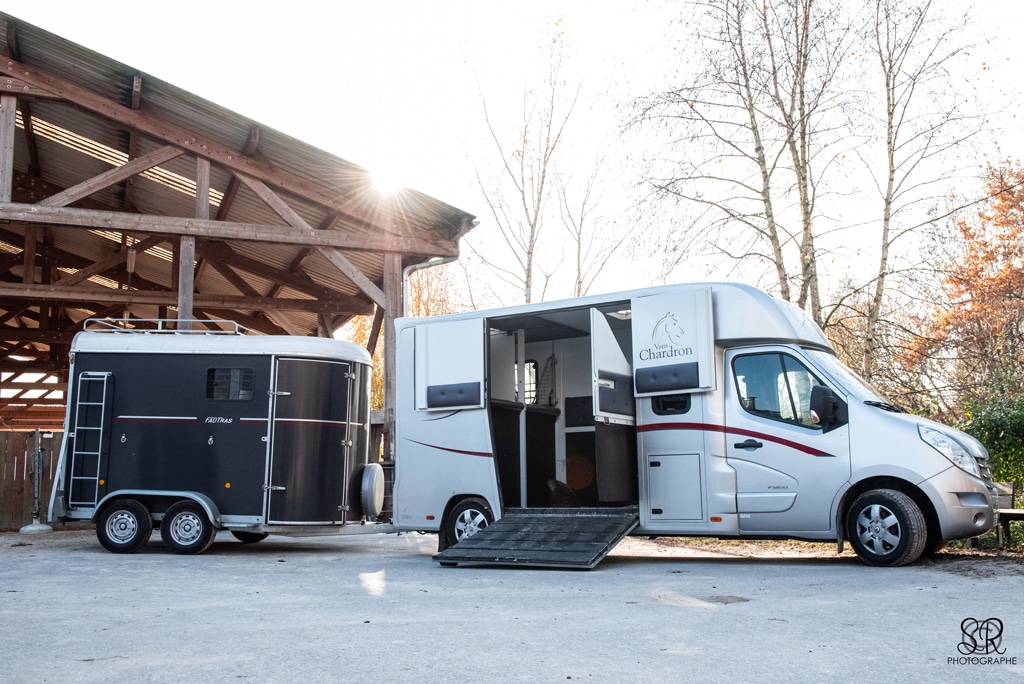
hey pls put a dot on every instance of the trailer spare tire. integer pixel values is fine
(372, 490)
(124, 526)
(186, 529)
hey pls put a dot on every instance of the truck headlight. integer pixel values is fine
(950, 448)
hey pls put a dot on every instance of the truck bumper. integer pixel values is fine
(961, 503)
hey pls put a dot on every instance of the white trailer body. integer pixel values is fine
(708, 409)
(199, 431)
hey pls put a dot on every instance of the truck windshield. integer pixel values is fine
(858, 388)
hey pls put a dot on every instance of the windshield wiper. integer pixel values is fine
(884, 405)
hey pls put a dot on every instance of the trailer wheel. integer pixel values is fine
(886, 528)
(186, 529)
(124, 526)
(249, 537)
(467, 518)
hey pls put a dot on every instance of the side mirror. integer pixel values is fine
(824, 406)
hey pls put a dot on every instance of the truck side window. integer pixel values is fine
(671, 404)
(775, 386)
(229, 384)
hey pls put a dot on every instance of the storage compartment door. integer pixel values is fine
(450, 365)
(673, 343)
(612, 376)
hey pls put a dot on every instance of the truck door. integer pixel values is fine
(673, 360)
(615, 467)
(788, 470)
(310, 442)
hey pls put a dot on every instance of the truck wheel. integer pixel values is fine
(249, 537)
(186, 529)
(124, 526)
(885, 527)
(467, 518)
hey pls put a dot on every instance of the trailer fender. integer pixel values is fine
(149, 497)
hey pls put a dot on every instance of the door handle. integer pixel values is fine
(749, 445)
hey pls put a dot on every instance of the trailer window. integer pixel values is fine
(229, 384)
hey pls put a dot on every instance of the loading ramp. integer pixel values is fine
(545, 538)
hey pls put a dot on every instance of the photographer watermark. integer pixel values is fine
(981, 643)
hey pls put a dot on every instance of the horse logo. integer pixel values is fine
(668, 332)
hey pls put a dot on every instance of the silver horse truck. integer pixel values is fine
(543, 434)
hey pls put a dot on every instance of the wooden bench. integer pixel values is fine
(1006, 510)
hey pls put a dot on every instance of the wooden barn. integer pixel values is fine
(124, 196)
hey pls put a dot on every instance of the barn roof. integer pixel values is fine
(100, 169)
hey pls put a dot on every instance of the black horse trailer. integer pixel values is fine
(199, 431)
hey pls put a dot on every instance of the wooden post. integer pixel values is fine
(8, 113)
(394, 308)
(187, 252)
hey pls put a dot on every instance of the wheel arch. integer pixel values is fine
(158, 500)
(931, 518)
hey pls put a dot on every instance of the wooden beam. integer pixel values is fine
(28, 273)
(338, 259)
(115, 259)
(355, 275)
(8, 334)
(201, 301)
(115, 175)
(169, 225)
(360, 182)
(293, 278)
(378, 321)
(248, 290)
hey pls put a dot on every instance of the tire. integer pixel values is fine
(371, 490)
(886, 528)
(467, 518)
(185, 528)
(249, 537)
(124, 526)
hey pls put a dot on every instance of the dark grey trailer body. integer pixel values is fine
(256, 434)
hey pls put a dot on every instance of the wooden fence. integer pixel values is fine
(17, 481)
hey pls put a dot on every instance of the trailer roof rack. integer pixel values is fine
(163, 326)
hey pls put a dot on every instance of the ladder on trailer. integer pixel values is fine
(91, 402)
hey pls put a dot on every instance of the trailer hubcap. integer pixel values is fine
(186, 528)
(122, 527)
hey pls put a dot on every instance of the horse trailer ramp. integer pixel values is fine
(545, 538)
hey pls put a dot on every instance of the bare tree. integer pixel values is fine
(753, 133)
(593, 242)
(518, 196)
(927, 124)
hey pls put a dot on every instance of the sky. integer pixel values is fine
(391, 85)
(395, 85)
